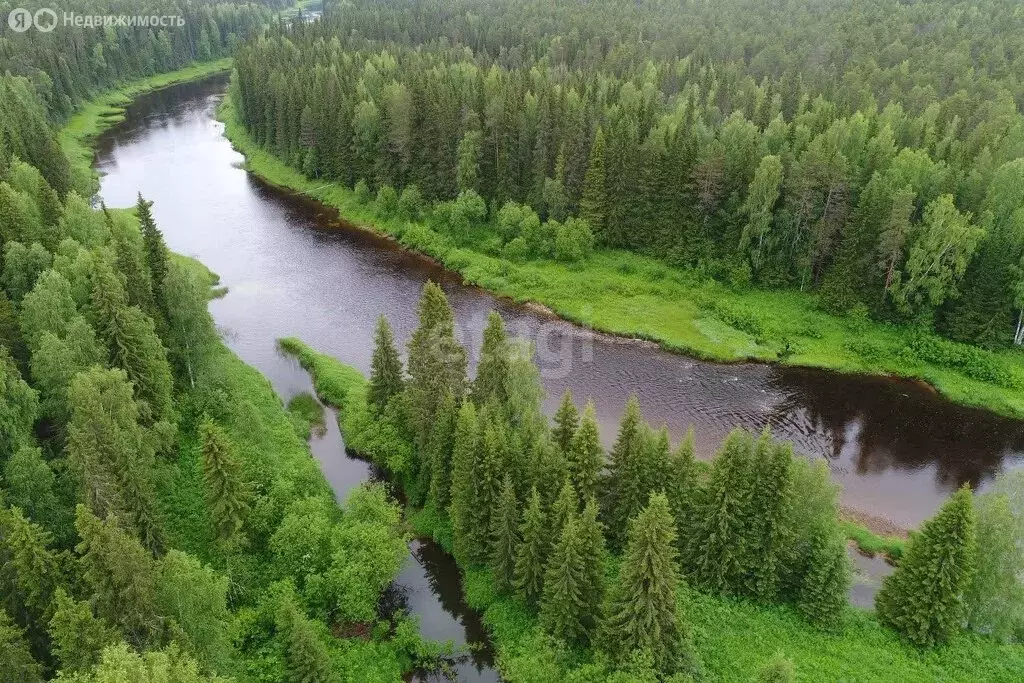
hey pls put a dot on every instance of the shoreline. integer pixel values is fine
(478, 270)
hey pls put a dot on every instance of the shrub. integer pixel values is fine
(411, 204)
(574, 240)
(387, 201)
(362, 192)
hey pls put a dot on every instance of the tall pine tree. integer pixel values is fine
(586, 457)
(534, 546)
(385, 368)
(505, 536)
(226, 495)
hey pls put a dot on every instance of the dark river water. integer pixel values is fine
(294, 269)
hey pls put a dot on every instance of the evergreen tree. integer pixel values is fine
(493, 370)
(719, 550)
(469, 544)
(505, 536)
(30, 569)
(682, 487)
(771, 508)
(567, 422)
(531, 557)
(225, 490)
(18, 663)
(306, 658)
(586, 457)
(487, 474)
(563, 603)
(626, 482)
(156, 255)
(825, 585)
(385, 368)
(592, 547)
(121, 575)
(642, 613)
(565, 507)
(439, 452)
(77, 635)
(923, 599)
(437, 364)
(594, 201)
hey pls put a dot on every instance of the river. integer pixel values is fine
(293, 268)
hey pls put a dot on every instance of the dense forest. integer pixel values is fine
(869, 152)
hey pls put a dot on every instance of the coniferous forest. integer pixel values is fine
(161, 516)
(869, 152)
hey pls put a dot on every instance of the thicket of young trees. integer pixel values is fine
(139, 539)
(543, 506)
(869, 151)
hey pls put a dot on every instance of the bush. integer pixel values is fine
(574, 241)
(516, 250)
(362, 192)
(387, 201)
(411, 204)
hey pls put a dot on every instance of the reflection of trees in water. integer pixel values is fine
(899, 426)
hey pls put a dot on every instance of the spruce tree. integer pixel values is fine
(493, 369)
(923, 599)
(439, 452)
(385, 368)
(15, 654)
(531, 557)
(682, 487)
(657, 469)
(437, 364)
(565, 507)
(505, 536)
(771, 510)
(487, 473)
(225, 490)
(30, 569)
(586, 457)
(567, 422)
(78, 637)
(157, 256)
(305, 657)
(641, 613)
(591, 536)
(563, 603)
(594, 201)
(718, 552)
(469, 545)
(825, 584)
(626, 483)
(121, 575)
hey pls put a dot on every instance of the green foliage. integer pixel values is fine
(823, 593)
(386, 379)
(777, 670)
(222, 479)
(193, 599)
(586, 456)
(924, 598)
(19, 664)
(564, 603)
(505, 536)
(121, 663)
(493, 367)
(567, 423)
(78, 636)
(626, 484)
(535, 544)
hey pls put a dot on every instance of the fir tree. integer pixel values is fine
(222, 478)
(771, 510)
(657, 470)
(682, 486)
(385, 368)
(824, 588)
(592, 547)
(439, 452)
(923, 599)
(563, 603)
(30, 570)
(15, 654)
(565, 507)
(437, 364)
(594, 201)
(121, 575)
(567, 422)
(78, 636)
(156, 255)
(493, 370)
(505, 536)
(469, 544)
(531, 557)
(306, 658)
(642, 613)
(626, 483)
(487, 473)
(586, 457)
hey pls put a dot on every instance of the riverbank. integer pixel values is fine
(633, 296)
(107, 109)
(734, 638)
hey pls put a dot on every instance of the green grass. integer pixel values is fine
(734, 638)
(107, 109)
(872, 544)
(636, 296)
(308, 415)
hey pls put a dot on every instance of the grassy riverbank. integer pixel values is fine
(734, 638)
(107, 109)
(636, 296)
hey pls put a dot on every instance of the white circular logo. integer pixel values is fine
(20, 19)
(45, 20)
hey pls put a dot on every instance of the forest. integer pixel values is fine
(592, 560)
(868, 152)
